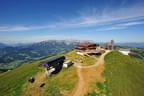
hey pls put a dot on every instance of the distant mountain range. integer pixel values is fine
(132, 44)
(11, 57)
(15, 55)
(2, 45)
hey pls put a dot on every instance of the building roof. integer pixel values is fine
(86, 45)
(55, 58)
(52, 59)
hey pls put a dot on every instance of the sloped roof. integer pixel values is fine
(86, 45)
(52, 59)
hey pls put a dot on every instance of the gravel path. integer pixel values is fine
(81, 86)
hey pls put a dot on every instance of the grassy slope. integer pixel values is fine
(81, 59)
(61, 84)
(57, 85)
(14, 83)
(125, 75)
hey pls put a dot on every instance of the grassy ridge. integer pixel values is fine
(125, 75)
(11, 82)
(61, 84)
(14, 83)
(84, 60)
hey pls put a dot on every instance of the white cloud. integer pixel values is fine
(131, 23)
(119, 26)
(111, 28)
(15, 28)
(92, 17)
(24, 28)
(110, 15)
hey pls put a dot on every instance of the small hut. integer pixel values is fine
(86, 47)
(67, 63)
(53, 65)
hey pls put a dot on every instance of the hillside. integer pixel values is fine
(124, 75)
(14, 83)
(119, 76)
(63, 83)
(11, 82)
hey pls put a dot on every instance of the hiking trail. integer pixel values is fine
(84, 79)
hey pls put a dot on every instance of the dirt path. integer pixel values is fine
(99, 61)
(80, 85)
(86, 75)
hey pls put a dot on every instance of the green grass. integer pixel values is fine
(100, 85)
(11, 82)
(93, 94)
(124, 75)
(62, 83)
(100, 89)
(86, 61)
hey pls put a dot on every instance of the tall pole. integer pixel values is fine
(112, 44)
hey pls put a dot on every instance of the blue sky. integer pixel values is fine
(98, 20)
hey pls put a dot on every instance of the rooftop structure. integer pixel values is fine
(87, 49)
(86, 46)
(53, 65)
(124, 51)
